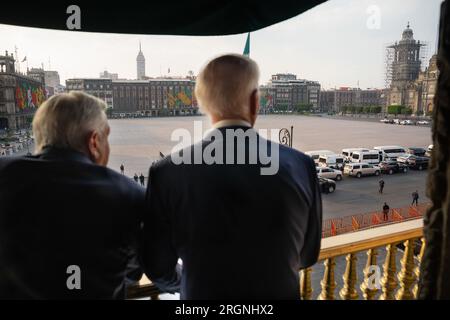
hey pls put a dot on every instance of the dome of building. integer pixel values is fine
(407, 33)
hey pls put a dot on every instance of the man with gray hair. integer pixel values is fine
(241, 232)
(70, 231)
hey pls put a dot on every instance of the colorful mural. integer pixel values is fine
(29, 95)
(266, 101)
(182, 99)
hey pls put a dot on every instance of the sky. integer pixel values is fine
(338, 43)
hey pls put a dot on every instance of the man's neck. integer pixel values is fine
(230, 123)
(219, 122)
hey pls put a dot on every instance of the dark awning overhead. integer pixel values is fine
(171, 17)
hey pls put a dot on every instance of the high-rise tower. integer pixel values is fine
(140, 63)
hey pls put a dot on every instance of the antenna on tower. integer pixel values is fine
(140, 50)
(17, 59)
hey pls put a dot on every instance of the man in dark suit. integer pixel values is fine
(243, 228)
(70, 230)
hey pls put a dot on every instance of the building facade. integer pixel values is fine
(37, 74)
(52, 78)
(20, 96)
(155, 97)
(107, 75)
(100, 88)
(335, 99)
(286, 92)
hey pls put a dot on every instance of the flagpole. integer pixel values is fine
(247, 46)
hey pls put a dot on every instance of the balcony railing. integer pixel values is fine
(398, 279)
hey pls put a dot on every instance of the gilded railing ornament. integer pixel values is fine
(407, 276)
(348, 292)
(417, 269)
(389, 281)
(328, 283)
(305, 284)
(369, 291)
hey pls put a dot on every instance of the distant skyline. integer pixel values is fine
(338, 43)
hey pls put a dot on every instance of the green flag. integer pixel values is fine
(247, 46)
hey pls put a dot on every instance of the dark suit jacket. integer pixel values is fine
(240, 234)
(59, 209)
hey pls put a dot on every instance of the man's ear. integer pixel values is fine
(93, 145)
(254, 103)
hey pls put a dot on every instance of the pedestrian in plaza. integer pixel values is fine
(415, 196)
(381, 184)
(142, 179)
(136, 178)
(385, 212)
(122, 169)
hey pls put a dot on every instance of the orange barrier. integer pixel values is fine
(336, 226)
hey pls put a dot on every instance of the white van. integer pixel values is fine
(348, 152)
(391, 152)
(335, 161)
(317, 153)
(370, 156)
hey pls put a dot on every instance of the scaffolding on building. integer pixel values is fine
(403, 73)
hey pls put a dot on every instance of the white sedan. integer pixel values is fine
(329, 173)
(423, 122)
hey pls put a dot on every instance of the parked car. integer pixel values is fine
(423, 122)
(406, 122)
(327, 185)
(361, 169)
(396, 121)
(384, 120)
(329, 173)
(416, 151)
(390, 167)
(414, 162)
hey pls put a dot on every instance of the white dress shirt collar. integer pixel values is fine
(231, 122)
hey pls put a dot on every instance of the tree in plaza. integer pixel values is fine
(375, 109)
(358, 110)
(303, 107)
(351, 109)
(395, 109)
(406, 110)
(366, 109)
(281, 107)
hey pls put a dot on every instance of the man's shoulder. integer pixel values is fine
(8, 161)
(291, 153)
(119, 179)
